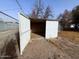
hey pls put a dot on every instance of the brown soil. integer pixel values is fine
(8, 47)
(66, 46)
(60, 48)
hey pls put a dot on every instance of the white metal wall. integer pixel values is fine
(25, 33)
(51, 29)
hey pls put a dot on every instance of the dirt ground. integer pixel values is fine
(66, 46)
(60, 48)
(8, 44)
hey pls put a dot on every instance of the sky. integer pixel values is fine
(10, 7)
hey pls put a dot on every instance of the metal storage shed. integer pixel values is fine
(46, 28)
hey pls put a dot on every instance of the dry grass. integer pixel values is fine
(71, 35)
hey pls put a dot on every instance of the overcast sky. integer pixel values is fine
(58, 6)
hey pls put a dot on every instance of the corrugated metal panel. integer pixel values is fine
(24, 29)
(51, 29)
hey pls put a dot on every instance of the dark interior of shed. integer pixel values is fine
(38, 26)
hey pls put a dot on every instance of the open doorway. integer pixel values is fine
(38, 26)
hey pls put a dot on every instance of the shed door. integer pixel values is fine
(51, 29)
(24, 30)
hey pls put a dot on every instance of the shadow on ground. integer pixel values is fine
(9, 51)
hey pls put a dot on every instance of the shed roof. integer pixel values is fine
(41, 20)
(38, 19)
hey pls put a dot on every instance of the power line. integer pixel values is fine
(8, 15)
(19, 5)
(9, 9)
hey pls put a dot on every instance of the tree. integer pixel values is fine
(60, 17)
(47, 13)
(33, 14)
(75, 14)
(66, 19)
(39, 11)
